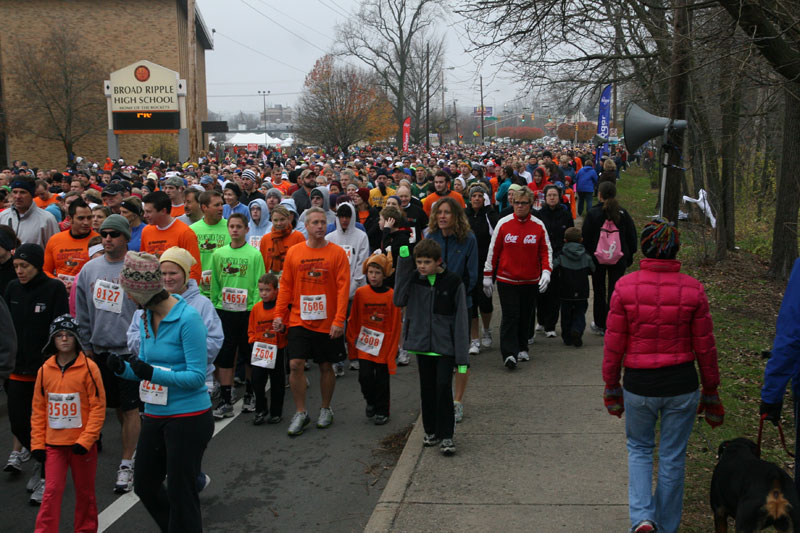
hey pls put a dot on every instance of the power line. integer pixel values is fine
(285, 28)
(345, 15)
(249, 95)
(259, 52)
(295, 20)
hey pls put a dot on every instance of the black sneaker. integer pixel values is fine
(370, 411)
(381, 420)
(249, 404)
(274, 419)
(447, 447)
(259, 419)
(577, 341)
(510, 362)
(429, 440)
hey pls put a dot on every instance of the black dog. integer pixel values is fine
(756, 493)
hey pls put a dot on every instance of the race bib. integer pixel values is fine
(349, 251)
(205, 279)
(67, 280)
(255, 241)
(413, 237)
(234, 299)
(263, 355)
(108, 296)
(64, 410)
(313, 307)
(152, 393)
(370, 341)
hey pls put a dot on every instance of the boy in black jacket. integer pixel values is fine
(575, 266)
(436, 329)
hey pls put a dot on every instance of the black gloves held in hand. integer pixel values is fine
(116, 363)
(141, 369)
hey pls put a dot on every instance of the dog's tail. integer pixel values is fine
(777, 506)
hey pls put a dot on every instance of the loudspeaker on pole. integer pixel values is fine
(640, 126)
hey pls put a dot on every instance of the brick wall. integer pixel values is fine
(114, 32)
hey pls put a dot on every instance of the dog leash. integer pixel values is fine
(780, 432)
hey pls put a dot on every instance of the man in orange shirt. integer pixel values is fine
(174, 187)
(68, 251)
(164, 231)
(441, 184)
(43, 196)
(316, 283)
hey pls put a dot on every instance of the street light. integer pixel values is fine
(264, 94)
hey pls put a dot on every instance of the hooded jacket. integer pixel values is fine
(782, 366)
(556, 221)
(326, 205)
(257, 231)
(460, 258)
(586, 179)
(33, 306)
(299, 224)
(574, 267)
(482, 222)
(210, 318)
(355, 244)
(595, 218)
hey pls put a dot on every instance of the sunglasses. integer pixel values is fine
(112, 234)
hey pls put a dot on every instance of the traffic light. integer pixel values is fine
(523, 117)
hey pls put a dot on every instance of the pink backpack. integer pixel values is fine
(609, 246)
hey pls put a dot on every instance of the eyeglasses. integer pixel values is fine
(522, 203)
(112, 234)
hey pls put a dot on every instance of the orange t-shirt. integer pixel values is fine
(44, 203)
(64, 256)
(177, 210)
(283, 186)
(313, 280)
(156, 241)
(427, 203)
(273, 259)
(374, 311)
(259, 328)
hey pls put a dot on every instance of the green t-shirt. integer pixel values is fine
(209, 239)
(420, 191)
(234, 277)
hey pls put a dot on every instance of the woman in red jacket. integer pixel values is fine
(658, 326)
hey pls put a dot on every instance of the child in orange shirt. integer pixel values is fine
(373, 332)
(268, 353)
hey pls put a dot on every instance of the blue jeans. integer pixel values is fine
(677, 418)
(584, 198)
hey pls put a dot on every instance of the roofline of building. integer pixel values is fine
(206, 39)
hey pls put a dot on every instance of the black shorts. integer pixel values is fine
(480, 302)
(121, 393)
(307, 344)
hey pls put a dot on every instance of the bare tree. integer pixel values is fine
(424, 84)
(60, 89)
(382, 35)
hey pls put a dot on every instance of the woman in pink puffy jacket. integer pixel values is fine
(658, 326)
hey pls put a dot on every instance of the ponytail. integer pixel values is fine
(610, 204)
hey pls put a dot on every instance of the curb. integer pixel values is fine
(385, 512)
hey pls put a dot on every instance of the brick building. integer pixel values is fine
(115, 33)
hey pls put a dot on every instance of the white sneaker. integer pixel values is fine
(539, 327)
(354, 365)
(458, 411)
(597, 330)
(338, 369)
(486, 340)
(14, 464)
(549, 334)
(402, 357)
(474, 347)
(124, 481)
(38, 493)
(24, 455)
(523, 356)
(532, 339)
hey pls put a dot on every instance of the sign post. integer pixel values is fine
(146, 98)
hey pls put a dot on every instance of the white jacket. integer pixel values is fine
(356, 244)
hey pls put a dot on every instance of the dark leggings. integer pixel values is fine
(602, 295)
(374, 380)
(436, 392)
(20, 407)
(548, 305)
(277, 385)
(173, 447)
(517, 303)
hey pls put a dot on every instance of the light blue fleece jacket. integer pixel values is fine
(180, 347)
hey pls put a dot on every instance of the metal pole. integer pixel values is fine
(428, 96)
(482, 111)
(444, 113)
(455, 114)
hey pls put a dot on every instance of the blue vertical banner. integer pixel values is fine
(603, 121)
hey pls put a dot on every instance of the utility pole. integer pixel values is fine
(444, 114)
(428, 96)
(264, 95)
(483, 111)
(455, 114)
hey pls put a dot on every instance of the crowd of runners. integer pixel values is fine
(169, 292)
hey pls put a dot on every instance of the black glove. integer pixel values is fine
(116, 363)
(141, 369)
(772, 410)
(39, 455)
(79, 450)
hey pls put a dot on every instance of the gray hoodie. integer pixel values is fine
(264, 225)
(100, 330)
(326, 205)
(300, 226)
(356, 244)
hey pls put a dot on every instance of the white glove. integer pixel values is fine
(487, 286)
(544, 280)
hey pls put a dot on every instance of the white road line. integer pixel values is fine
(124, 503)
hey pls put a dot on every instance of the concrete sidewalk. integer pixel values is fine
(536, 451)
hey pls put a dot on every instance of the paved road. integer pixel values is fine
(262, 480)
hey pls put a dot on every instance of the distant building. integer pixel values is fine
(115, 33)
(277, 113)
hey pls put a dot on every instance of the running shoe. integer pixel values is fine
(381, 420)
(510, 362)
(550, 334)
(486, 340)
(532, 339)
(260, 418)
(523, 356)
(274, 419)
(458, 409)
(30, 486)
(577, 340)
(370, 411)
(249, 403)
(338, 369)
(223, 410)
(597, 330)
(325, 417)
(539, 327)
(447, 447)
(354, 364)
(298, 424)
(24, 455)
(238, 381)
(474, 347)
(429, 440)
(203, 481)
(307, 365)
(124, 481)
(402, 358)
(14, 464)
(38, 493)
(645, 526)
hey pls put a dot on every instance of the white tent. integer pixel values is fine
(261, 139)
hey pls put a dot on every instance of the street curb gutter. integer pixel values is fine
(385, 512)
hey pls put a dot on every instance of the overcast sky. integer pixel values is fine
(275, 55)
